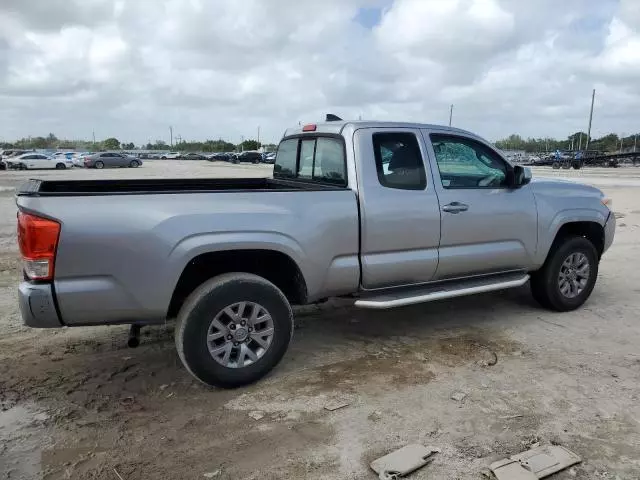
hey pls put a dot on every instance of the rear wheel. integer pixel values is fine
(233, 330)
(555, 165)
(60, 166)
(568, 276)
(99, 165)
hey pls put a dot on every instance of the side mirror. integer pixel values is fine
(522, 176)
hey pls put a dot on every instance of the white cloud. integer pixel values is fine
(221, 68)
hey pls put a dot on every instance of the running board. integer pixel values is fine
(442, 291)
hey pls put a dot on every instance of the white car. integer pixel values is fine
(32, 161)
(170, 156)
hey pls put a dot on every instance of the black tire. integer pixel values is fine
(60, 166)
(577, 165)
(201, 307)
(545, 285)
(555, 165)
(22, 166)
(99, 165)
(566, 165)
(163, 158)
(134, 164)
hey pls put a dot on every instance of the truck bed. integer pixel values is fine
(62, 188)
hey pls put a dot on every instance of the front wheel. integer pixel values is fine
(568, 276)
(60, 166)
(555, 165)
(233, 330)
(134, 164)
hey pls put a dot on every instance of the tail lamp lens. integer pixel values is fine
(38, 240)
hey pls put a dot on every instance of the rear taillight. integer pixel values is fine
(38, 240)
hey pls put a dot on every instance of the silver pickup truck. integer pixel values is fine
(389, 214)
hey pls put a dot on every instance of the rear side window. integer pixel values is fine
(319, 159)
(398, 161)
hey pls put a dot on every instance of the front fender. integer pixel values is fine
(549, 232)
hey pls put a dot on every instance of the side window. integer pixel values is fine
(307, 151)
(465, 163)
(286, 158)
(398, 161)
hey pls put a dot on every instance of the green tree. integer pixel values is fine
(111, 144)
(128, 146)
(249, 145)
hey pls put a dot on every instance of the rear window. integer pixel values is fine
(317, 159)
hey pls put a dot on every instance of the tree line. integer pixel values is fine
(577, 141)
(51, 142)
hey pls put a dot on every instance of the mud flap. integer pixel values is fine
(404, 461)
(539, 462)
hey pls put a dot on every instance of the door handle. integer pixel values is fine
(455, 207)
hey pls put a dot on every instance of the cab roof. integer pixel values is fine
(336, 127)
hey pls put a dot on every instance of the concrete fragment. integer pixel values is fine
(336, 405)
(403, 461)
(256, 415)
(537, 462)
(458, 396)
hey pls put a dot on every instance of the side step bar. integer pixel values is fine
(440, 291)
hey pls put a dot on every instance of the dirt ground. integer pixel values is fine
(78, 404)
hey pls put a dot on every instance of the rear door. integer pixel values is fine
(400, 216)
(487, 226)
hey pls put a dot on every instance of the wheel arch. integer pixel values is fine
(273, 265)
(592, 230)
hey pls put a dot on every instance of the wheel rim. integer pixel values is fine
(240, 334)
(99, 165)
(574, 275)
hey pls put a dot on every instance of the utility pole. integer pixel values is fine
(621, 140)
(450, 114)
(572, 143)
(171, 135)
(94, 139)
(580, 142)
(178, 139)
(635, 142)
(241, 143)
(258, 134)
(593, 97)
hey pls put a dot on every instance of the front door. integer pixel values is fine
(400, 217)
(487, 226)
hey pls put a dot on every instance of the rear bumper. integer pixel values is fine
(37, 306)
(609, 231)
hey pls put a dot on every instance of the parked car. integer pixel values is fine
(270, 157)
(414, 213)
(111, 159)
(249, 156)
(33, 161)
(78, 158)
(193, 156)
(170, 156)
(220, 157)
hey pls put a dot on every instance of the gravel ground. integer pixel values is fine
(76, 403)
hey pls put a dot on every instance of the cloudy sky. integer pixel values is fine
(221, 68)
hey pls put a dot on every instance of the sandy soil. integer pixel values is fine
(76, 403)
